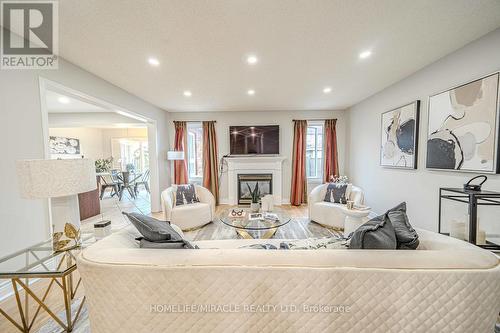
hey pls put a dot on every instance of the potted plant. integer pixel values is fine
(103, 164)
(255, 194)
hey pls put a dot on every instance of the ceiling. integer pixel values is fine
(302, 47)
(68, 104)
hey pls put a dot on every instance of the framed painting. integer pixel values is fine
(399, 137)
(62, 145)
(463, 127)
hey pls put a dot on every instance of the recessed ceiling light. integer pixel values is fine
(327, 90)
(187, 93)
(251, 92)
(252, 59)
(365, 54)
(153, 61)
(64, 100)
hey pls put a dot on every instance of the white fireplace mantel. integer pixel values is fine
(254, 165)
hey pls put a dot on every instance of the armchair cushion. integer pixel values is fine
(337, 192)
(185, 194)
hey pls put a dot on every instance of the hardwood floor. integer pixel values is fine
(299, 227)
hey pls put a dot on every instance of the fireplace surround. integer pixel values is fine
(254, 165)
(265, 181)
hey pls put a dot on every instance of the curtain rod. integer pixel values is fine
(193, 121)
(314, 119)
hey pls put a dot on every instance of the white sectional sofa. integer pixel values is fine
(446, 285)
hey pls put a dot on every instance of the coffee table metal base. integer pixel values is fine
(246, 235)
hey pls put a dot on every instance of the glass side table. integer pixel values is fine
(40, 262)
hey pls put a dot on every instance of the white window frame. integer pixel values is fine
(195, 178)
(318, 177)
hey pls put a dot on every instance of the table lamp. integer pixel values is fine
(61, 181)
(174, 155)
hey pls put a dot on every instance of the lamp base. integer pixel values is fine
(65, 223)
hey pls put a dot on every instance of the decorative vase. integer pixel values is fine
(254, 207)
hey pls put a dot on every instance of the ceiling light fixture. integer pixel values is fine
(187, 93)
(252, 59)
(365, 54)
(154, 62)
(251, 92)
(64, 100)
(327, 90)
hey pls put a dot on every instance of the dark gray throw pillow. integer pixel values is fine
(182, 244)
(336, 192)
(185, 194)
(152, 229)
(378, 233)
(406, 236)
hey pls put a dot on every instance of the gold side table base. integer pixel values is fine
(64, 281)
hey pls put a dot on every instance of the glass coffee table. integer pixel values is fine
(251, 225)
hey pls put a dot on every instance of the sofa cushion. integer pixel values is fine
(152, 229)
(378, 233)
(192, 215)
(185, 194)
(406, 236)
(337, 192)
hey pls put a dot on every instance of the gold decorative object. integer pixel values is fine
(71, 240)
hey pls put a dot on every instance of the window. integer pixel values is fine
(195, 150)
(314, 151)
(130, 153)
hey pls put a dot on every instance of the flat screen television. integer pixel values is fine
(252, 140)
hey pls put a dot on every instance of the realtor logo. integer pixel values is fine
(29, 38)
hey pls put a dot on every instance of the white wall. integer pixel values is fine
(281, 118)
(113, 133)
(91, 141)
(24, 222)
(385, 188)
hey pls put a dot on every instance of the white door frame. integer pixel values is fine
(46, 84)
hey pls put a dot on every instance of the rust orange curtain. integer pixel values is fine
(210, 159)
(331, 157)
(298, 193)
(180, 144)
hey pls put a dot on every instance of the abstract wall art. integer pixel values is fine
(61, 145)
(463, 127)
(399, 137)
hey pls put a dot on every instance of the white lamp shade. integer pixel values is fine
(175, 155)
(55, 178)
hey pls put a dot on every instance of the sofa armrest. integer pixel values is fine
(167, 203)
(206, 196)
(317, 195)
(357, 195)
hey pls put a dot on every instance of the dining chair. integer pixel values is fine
(128, 183)
(107, 181)
(143, 181)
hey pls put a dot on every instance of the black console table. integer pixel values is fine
(473, 199)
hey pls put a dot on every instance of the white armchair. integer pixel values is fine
(189, 216)
(329, 213)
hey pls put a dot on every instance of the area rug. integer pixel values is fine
(82, 325)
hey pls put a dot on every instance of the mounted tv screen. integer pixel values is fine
(250, 140)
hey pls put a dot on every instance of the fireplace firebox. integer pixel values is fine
(245, 181)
